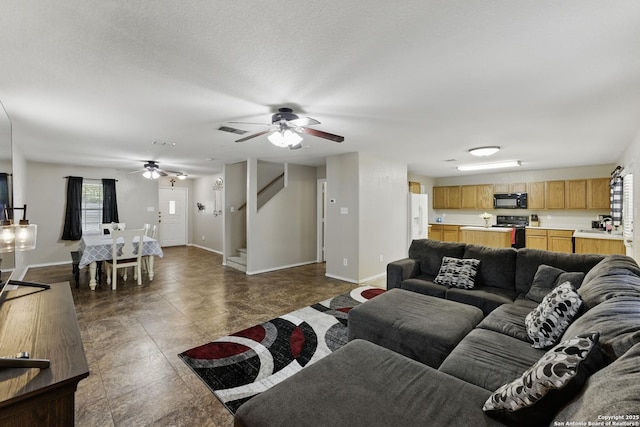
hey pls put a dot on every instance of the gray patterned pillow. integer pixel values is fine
(535, 397)
(548, 321)
(457, 272)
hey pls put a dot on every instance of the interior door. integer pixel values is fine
(172, 216)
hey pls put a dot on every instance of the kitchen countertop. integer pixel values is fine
(483, 228)
(597, 234)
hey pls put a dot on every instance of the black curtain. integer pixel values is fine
(109, 201)
(73, 216)
(4, 196)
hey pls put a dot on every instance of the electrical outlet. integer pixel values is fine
(381, 258)
(203, 237)
(345, 262)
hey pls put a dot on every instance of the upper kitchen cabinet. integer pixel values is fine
(598, 193)
(447, 197)
(535, 195)
(514, 187)
(484, 196)
(554, 195)
(575, 194)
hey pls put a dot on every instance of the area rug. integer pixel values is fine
(240, 366)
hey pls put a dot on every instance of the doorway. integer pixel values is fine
(172, 216)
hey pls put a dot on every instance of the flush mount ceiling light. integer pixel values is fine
(181, 176)
(483, 166)
(484, 151)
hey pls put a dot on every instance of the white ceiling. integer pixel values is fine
(554, 83)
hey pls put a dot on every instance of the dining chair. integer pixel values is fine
(126, 251)
(151, 231)
(146, 228)
(112, 226)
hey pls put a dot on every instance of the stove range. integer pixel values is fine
(519, 222)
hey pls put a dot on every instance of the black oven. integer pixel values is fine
(510, 201)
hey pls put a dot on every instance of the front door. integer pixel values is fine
(173, 216)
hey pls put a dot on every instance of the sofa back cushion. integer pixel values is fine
(618, 322)
(497, 266)
(613, 276)
(528, 261)
(548, 278)
(430, 253)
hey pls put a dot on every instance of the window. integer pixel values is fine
(91, 207)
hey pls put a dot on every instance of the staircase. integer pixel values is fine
(238, 262)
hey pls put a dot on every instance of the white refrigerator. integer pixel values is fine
(418, 217)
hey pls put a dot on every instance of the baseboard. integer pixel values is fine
(369, 279)
(344, 279)
(205, 248)
(284, 267)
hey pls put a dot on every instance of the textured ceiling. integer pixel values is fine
(554, 83)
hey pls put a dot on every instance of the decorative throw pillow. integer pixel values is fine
(545, 387)
(548, 277)
(457, 272)
(548, 321)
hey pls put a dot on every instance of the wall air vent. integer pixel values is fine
(232, 130)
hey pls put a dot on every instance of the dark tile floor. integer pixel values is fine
(132, 336)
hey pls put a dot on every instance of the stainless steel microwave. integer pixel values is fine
(510, 201)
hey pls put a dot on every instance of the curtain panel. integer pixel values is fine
(73, 215)
(109, 201)
(615, 197)
(4, 197)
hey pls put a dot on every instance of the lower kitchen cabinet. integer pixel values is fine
(599, 246)
(549, 240)
(445, 233)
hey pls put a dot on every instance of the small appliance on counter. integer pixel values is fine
(534, 222)
(601, 222)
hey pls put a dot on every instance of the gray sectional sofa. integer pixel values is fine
(382, 377)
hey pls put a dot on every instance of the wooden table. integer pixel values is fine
(43, 323)
(95, 248)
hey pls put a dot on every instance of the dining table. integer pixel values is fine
(98, 247)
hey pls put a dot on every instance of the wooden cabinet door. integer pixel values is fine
(518, 187)
(435, 232)
(453, 197)
(560, 241)
(554, 194)
(439, 197)
(468, 197)
(598, 193)
(536, 238)
(484, 196)
(500, 188)
(600, 246)
(414, 187)
(575, 194)
(450, 233)
(535, 195)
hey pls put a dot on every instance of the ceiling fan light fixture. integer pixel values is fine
(484, 166)
(182, 176)
(484, 151)
(151, 174)
(286, 138)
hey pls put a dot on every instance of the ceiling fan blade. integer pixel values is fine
(161, 172)
(254, 135)
(303, 121)
(250, 123)
(321, 134)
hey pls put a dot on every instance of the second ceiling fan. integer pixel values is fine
(286, 127)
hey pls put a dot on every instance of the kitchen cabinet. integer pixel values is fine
(535, 195)
(491, 237)
(414, 187)
(446, 197)
(598, 193)
(599, 246)
(575, 194)
(468, 197)
(554, 194)
(516, 187)
(484, 195)
(536, 238)
(560, 241)
(450, 233)
(435, 231)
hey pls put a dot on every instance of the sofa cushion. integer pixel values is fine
(529, 260)
(485, 298)
(547, 322)
(613, 265)
(430, 253)
(534, 398)
(363, 385)
(508, 319)
(618, 322)
(457, 272)
(497, 266)
(613, 390)
(489, 359)
(423, 284)
(548, 277)
(607, 287)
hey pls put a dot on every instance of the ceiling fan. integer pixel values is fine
(286, 127)
(151, 170)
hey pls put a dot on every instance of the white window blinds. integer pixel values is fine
(627, 208)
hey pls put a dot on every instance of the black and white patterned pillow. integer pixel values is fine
(548, 321)
(535, 397)
(457, 272)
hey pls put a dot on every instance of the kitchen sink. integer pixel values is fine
(592, 231)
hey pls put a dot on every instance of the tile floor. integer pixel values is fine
(132, 336)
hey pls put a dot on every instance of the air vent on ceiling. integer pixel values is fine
(232, 130)
(450, 160)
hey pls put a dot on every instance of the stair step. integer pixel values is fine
(237, 262)
(242, 253)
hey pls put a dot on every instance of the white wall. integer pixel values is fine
(283, 232)
(46, 190)
(235, 194)
(374, 192)
(631, 162)
(20, 192)
(205, 224)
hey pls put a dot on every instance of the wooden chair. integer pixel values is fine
(109, 226)
(126, 251)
